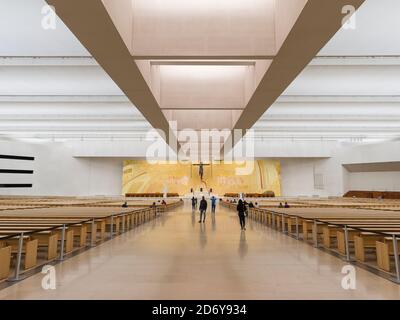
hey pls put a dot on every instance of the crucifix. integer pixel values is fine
(201, 169)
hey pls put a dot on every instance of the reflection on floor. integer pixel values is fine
(175, 257)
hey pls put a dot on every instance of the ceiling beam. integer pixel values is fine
(316, 25)
(90, 22)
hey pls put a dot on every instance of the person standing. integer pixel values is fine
(203, 209)
(241, 209)
(213, 204)
(193, 204)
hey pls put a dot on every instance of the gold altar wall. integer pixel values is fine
(141, 177)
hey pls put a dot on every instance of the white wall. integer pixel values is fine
(57, 172)
(374, 181)
(297, 177)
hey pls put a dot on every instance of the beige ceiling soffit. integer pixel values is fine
(90, 22)
(316, 25)
(201, 108)
(202, 63)
(202, 57)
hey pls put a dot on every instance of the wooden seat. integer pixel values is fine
(43, 227)
(5, 262)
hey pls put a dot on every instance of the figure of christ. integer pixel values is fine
(201, 171)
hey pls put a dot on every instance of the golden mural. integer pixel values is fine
(139, 176)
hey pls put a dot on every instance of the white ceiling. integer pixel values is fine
(377, 32)
(325, 101)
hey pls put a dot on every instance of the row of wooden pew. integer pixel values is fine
(369, 237)
(32, 237)
(372, 194)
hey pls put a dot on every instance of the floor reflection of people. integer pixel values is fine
(193, 218)
(213, 222)
(193, 200)
(243, 246)
(203, 235)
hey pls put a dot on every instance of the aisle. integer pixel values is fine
(175, 257)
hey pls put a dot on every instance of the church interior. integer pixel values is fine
(193, 150)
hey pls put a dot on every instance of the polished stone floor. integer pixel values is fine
(175, 257)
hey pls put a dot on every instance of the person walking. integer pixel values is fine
(241, 209)
(213, 204)
(203, 209)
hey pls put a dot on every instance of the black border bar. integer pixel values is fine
(15, 185)
(16, 171)
(12, 157)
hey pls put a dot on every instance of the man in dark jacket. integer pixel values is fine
(203, 209)
(241, 209)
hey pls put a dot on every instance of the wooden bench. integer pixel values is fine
(29, 249)
(5, 261)
(385, 249)
(44, 227)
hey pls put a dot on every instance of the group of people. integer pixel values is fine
(162, 202)
(242, 209)
(203, 207)
(250, 205)
(284, 206)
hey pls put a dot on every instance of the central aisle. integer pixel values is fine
(175, 257)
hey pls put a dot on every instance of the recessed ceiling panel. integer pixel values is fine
(206, 27)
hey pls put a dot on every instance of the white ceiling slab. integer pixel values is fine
(316, 113)
(374, 19)
(347, 80)
(21, 32)
(330, 100)
(56, 80)
(377, 32)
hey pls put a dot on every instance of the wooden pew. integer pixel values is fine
(5, 262)
(385, 249)
(364, 241)
(43, 227)
(29, 250)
